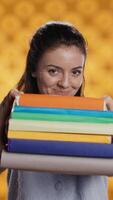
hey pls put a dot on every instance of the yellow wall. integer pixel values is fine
(19, 19)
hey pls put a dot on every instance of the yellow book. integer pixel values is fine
(58, 136)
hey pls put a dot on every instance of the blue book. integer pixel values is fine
(82, 149)
(62, 111)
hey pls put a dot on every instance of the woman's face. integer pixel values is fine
(60, 71)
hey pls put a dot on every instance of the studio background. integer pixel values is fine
(20, 19)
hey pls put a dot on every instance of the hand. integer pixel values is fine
(109, 102)
(109, 105)
(5, 110)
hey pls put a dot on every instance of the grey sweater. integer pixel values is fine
(24, 185)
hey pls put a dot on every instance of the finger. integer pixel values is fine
(6, 105)
(109, 102)
(14, 92)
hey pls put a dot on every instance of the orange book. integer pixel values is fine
(72, 102)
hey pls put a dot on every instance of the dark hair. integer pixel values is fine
(50, 35)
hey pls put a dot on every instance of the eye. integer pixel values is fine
(76, 72)
(53, 71)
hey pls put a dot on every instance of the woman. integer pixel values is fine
(55, 66)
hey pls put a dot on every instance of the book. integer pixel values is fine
(44, 100)
(58, 164)
(63, 118)
(61, 148)
(64, 127)
(62, 111)
(58, 136)
(57, 118)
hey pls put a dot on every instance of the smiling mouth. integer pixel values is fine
(63, 93)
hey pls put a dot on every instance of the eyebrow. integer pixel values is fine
(51, 65)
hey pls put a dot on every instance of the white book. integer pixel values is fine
(65, 127)
(58, 164)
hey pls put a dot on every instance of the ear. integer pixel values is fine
(33, 74)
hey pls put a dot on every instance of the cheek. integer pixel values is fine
(77, 82)
(46, 80)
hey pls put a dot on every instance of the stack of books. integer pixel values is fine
(60, 134)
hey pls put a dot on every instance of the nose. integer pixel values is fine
(64, 81)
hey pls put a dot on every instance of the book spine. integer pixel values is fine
(61, 148)
(58, 136)
(65, 127)
(39, 100)
(61, 111)
(63, 118)
(59, 164)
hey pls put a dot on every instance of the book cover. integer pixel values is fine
(58, 164)
(44, 100)
(62, 148)
(63, 118)
(62, 111)
(59, 126)
(58, 136)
